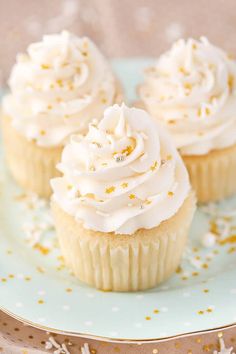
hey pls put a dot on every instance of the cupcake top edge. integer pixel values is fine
(57, 87)
(124, 175)
(191, 89)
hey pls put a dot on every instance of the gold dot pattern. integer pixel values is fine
(22, 339)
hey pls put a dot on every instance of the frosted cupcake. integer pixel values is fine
(123, 206)
(192, 91)
(57, 88)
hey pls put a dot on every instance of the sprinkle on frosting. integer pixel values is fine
(133, 195)
(192, 88)
(56, 87)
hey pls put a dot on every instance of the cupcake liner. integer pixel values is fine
(124, 262)
(31, 166)
(213, 176)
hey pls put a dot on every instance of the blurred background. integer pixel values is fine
(121, 28)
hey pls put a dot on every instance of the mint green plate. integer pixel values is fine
(37, 288)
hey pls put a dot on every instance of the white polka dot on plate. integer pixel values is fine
(88, 323)
(115, 309)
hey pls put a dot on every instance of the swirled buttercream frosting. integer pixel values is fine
(192, 90)
(58, 87)
(124, 175)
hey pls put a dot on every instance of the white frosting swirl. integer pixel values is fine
(124, 175)
(192, 90)
(60, 85)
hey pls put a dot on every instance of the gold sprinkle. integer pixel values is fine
(154, 166)
(42, 132)
(187, 85)
(104, 100)
(155, 351)
(206, 291)
(49, 106)
(194, 46)
(4, 280)
(52, 86)
(231, 250)
(201, 312)
(104, 164)
(27, 278)
(110, 189)
(198, 340)
(230, 239)
(205, 266)
(199, 112)
(45, 66)
(209, 310)
(9, 252)
(11, 276)
(156, 311)
(177, 345)
(93, 351)
(182, 70)
(184, 278)
(220, 335)
(132, 196)
(231, 82)
(171, 121)
(40, 270)
(170, 194)
(59, 82)
(68, 290)
(178, 270)
(195, 274)
(58, 99)
(147, 202)
(128, 150)
(43, 250)
(208, 111)
(147, 318)
(85, 54)
(124, 185)
(168, 157)
(40, 301)
(89, 195)
(69, 187)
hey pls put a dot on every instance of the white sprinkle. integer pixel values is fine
(102, 213)
(19, 304)
(119, 157)
(145, 137)
(85, 349)
(208, 240)
(53, 342)
(66, 307)
(138, 325)
(143, 157)
(115, 309)
(223, 349)
(88, 323)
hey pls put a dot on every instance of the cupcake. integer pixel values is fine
(191, 90)
(56, 89)
(123, 205)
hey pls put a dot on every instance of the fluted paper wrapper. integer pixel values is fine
(31, 166)
(213, 176)
(124, 262)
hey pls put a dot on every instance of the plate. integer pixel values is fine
(35, 285)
